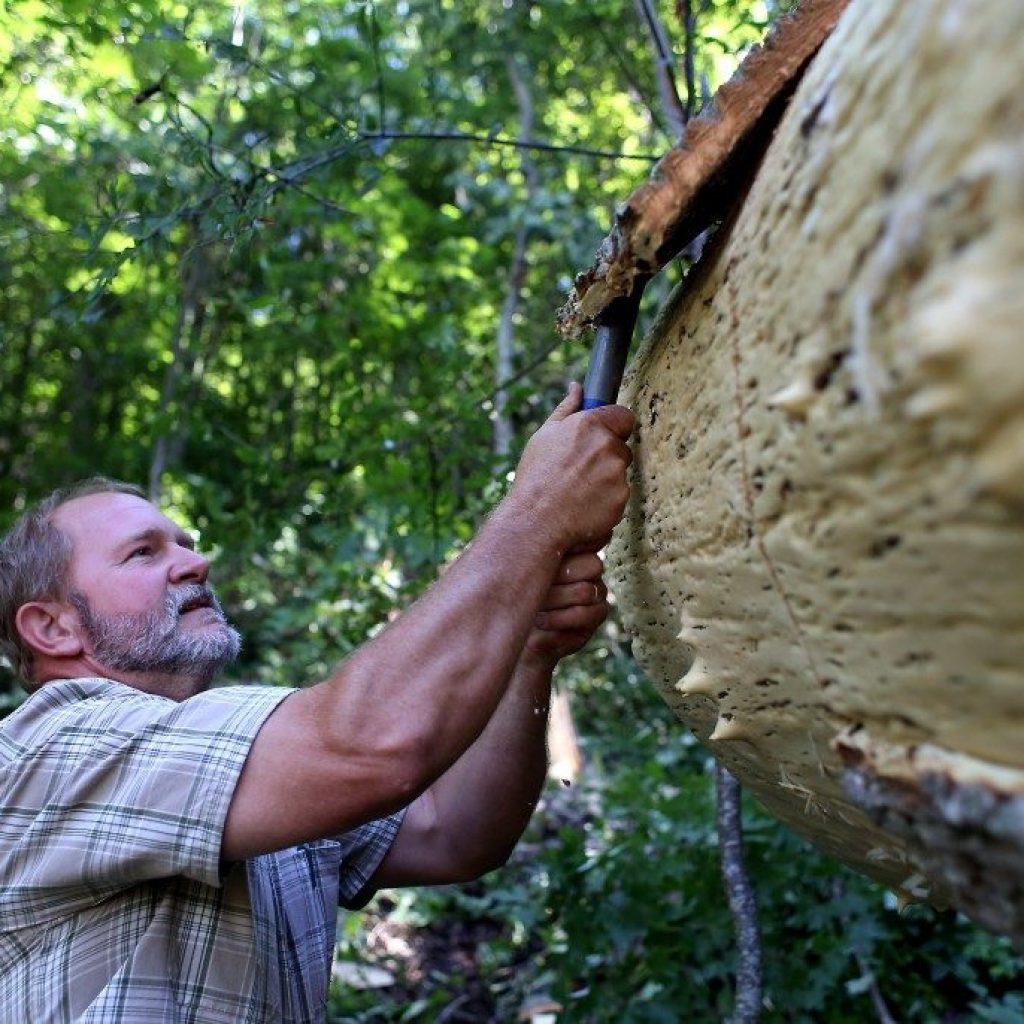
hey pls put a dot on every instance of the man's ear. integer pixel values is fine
(50, 628)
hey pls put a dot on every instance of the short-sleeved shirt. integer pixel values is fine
(115, 906)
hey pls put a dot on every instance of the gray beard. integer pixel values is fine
(156, 642)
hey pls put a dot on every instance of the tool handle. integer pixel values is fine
(611, 349)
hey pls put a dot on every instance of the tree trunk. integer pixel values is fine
(739, 892)
(823, 558)
(505, 341)
(688, 20)
(185, 334)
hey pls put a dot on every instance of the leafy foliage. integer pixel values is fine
(255, 256)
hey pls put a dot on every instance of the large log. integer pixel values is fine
(823, 559)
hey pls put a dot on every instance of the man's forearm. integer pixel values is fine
(493, 788)
(469, 820)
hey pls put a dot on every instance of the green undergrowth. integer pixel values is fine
(613, 909)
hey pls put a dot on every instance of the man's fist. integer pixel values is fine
(572, 476)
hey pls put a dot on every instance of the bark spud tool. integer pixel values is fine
(612, 339)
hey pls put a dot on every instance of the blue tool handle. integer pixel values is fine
(607, 364)
(611, 349)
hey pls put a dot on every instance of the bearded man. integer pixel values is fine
(172, 853)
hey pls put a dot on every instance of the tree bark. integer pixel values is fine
(688, 21)
(696, 181)
(185, 334)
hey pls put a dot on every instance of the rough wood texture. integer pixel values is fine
(694, 182)
(823, 559)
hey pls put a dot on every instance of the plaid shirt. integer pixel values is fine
(114, 904)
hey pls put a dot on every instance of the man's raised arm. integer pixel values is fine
(402, 709)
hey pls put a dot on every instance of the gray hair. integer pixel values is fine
(35, 556)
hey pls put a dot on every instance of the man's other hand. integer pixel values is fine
(575, 606)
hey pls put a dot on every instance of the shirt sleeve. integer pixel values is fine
(118, 787)
(362, 850)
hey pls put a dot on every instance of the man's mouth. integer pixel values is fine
(196, 602)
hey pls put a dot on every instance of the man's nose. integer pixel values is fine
(189, 567)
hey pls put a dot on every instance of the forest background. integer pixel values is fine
(294, 267)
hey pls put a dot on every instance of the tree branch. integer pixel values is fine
(688, 19)
(505, 341)
(499, 140)
(878, 1002)
(524, 372)
(664, 64)
(194, 276)
(741, 896)
(877, 999)
(375, 36)
(327, 204)
(304, 166)
(615, 52)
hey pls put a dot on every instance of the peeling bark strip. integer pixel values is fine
(693, 184)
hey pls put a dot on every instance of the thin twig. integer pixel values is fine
(881, 1007)
(375, 42)
(209, 146)
(498, 140)
(615, 51)
(877, 999)
(524, 372)
(305, 166)
(327, 204)
(452, 1009)
(302, 94)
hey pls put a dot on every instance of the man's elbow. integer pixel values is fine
(449, 838)
(473, 864)
(462, 855)
(487, 850)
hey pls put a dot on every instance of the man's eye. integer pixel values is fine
(143, 552)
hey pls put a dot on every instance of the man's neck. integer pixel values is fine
(173, 687)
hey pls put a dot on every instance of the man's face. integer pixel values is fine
(141, 591)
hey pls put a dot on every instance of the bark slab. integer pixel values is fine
(822, 564)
